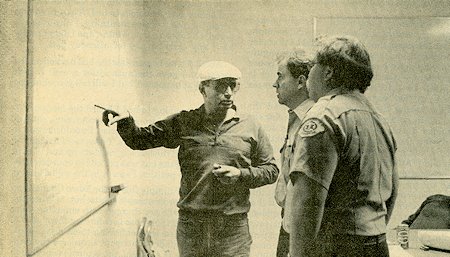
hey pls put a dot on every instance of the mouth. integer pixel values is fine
(226, 102)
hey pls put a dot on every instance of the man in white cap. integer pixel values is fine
(222, 155)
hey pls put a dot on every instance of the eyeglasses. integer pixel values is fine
(222, 85)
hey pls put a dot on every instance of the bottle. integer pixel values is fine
(403, 235)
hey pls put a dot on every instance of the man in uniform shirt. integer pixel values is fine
(344, 170)
(293, 69)
(222, 155)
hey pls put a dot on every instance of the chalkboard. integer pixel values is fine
(411, 85)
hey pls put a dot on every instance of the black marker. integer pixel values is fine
(98, 106)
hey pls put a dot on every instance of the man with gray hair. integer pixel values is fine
(222, 155)
(344, 174)
(293, 69)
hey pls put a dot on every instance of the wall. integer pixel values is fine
(143, 55)
(13, 50)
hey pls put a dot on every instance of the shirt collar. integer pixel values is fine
(303, 108)
(340, 91)
(231, 113)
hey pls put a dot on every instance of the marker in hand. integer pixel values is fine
(108, 121)
(98, 106)
(226, 174)
(216, 170)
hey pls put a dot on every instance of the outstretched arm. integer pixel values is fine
(162, 133)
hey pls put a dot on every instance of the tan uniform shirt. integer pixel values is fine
(295, 120)
(362, 181)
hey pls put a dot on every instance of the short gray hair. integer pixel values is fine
(297, 60)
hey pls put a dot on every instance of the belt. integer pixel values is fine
(366, 240)
(200, 215)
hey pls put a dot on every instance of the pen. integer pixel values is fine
(98, 106)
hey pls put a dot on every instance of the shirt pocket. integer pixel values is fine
(239, 143)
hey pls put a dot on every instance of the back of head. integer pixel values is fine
(297, 61)
(349, 60)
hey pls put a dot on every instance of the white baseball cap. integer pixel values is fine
(215, 70)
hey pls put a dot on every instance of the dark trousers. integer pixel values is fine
(283, 240)
(355, 246)
(283, 243)
(213, 235)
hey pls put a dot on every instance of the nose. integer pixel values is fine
(228, 92)
(275, 85)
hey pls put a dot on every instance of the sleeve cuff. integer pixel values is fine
(125, 125)
(245, 175)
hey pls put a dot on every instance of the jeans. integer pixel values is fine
(356, 246)
(213, 235)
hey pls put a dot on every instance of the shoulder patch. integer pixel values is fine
(311, 127)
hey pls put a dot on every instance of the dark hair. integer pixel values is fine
(297, 62)
(349, 60)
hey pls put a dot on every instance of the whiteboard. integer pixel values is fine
(70, 167)
(411, 86)
(69, 171)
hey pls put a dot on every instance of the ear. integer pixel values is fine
(328, 73)
(201, 88)
(301, 81)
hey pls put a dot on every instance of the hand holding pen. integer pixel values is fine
(109, 117)
(226, 174)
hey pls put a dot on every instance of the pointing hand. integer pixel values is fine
(109, 117)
